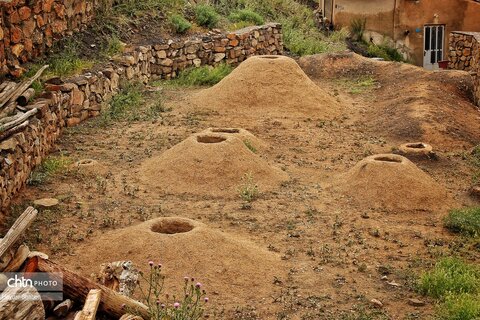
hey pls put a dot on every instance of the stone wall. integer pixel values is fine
(29, 28)
(464, 54)
(67, 102)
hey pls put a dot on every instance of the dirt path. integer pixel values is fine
(329, 257)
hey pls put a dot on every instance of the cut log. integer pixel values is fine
(7, 89)
(10, 119)
(17, 230)
(18, 120)
(62, 309)
(21, 309)
(25, 97)
(77, 287)
(4, 135)
(4, 84)
(20, 256)
(90, 308)
(129, 316)
(13, 94)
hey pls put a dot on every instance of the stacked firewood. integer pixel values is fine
(78, 291)
(14, 105)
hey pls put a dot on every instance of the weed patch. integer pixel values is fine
(248, 189)
(464, 221)
(206, 16)
(246, 15)
(49, 167)
(179, 23)
(200, 76)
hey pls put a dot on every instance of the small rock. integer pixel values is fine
(416, 302)
(46, 202)
(376, 303)
(394, 284)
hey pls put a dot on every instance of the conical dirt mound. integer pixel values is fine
(235, 269)
(268, 83)
(392, 182)
(249, 139)
(210, 164)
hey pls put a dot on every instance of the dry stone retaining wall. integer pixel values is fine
(29, 28)
(464, 54)
(68, 102)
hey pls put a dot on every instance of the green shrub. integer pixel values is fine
(465, 221)
(179, 23)
(357, 28)
(246, 15)
(113, 47)
(459, 307)
(121, 104)
(385, 52)
(206, 16)
(205, 75)
(450, 276)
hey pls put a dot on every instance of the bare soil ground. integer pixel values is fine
(312, 252)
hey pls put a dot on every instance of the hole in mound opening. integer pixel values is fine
(226, 130)
(416, 145)
(388, 159)
(85, 162)
(269, 57)
(210, 139)
(172, 226)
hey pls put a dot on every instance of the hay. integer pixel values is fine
(210, 164)
(392, 182)
(268, 84)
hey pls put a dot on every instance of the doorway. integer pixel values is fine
(434, 39)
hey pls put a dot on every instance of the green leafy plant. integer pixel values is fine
(49, 167)
(250, 146)
(121, 104)
(246, 15)
(459, 307)
(450, 276)
(205, 75)
(179, 23)
(114, 46)
(162, 306)
(357, 28)
(206, 16)
(465, 221)
(385, 52)
(248, 189)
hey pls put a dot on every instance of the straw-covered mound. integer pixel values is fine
(209, 164)
(268, 83)
(392, 182)
(234, 269)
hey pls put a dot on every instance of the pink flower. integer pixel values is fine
(206, 299)
(150, 263)
(198, 285)
(176, 305)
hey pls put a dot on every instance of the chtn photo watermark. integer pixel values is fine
(31, 286)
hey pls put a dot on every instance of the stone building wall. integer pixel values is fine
(68, 102)
(29, 28)
(464, 54)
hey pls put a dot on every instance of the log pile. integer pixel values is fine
(14, 109)
(83, 298)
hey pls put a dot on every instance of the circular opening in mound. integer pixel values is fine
(210, 139)
(226, 130)
(387, 159)
(172, 226)
(269, 57)
(86, 162)
(416, 145)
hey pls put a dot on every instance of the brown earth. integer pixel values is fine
(208, 164)
(410, 103)
(226, 263)
(392, 182)
(265, 85)
(335, 254)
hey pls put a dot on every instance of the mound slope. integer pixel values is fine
(409, 103)
(268, 83)
(235, 269)
(392, 182)
(210, 164)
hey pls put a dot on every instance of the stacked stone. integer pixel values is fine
(21, 152)
(29, 28)
(168, 59)
(465, 55)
